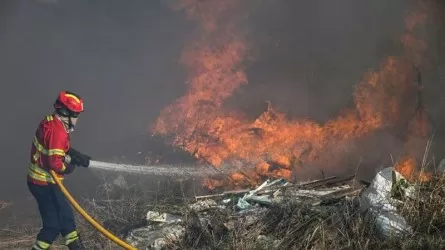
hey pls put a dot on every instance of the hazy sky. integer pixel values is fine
(120, 56)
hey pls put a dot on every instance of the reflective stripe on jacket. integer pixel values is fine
(50, 143)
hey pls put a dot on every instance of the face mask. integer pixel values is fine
(68, 123)
(71, 129)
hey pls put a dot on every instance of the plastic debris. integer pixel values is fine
(153, 216)
(377, 202)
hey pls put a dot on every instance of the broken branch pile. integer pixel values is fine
(210, 220)
(331, 213)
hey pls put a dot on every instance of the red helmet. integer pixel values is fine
(68, 104)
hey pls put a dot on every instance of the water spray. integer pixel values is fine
(156, 170)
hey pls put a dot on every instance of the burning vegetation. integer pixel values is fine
(274, 144)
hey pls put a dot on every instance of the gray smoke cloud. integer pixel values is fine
(122, 58)
(311, 55)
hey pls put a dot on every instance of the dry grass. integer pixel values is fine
(296, 226)
(122, 209)
(22, 237)
(426, 213)
(288, 225)
(119, 210)
(337, 226)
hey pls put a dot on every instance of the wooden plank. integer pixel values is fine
(336, 182)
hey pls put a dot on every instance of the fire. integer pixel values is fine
(273, 144)
(212, 184)
(237, 177)
(407, 167)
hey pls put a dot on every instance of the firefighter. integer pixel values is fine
(51, 150)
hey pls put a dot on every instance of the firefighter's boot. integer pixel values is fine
(76, 245)
(41, 245)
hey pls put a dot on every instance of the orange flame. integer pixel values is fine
(407, 167)
(212, 184)
(273, 144)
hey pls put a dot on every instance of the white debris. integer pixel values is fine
(153, 216)
(243, 204)
(226, 201)
(441, 166)
(261, 199)
(155, 236)
(376, 202)
(319, 193)
(203, 205)
(266, 195)
(251, 206)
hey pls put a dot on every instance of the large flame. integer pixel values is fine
(273, 144)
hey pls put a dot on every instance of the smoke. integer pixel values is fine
(122, 58)
(308, 57)
(316, 52)
(199, 126)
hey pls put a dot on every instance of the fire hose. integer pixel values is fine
(84, 214)
(166, 170)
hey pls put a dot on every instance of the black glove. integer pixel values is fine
(85, 161)
(74, 156)
(78, 158)
(69, 168)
